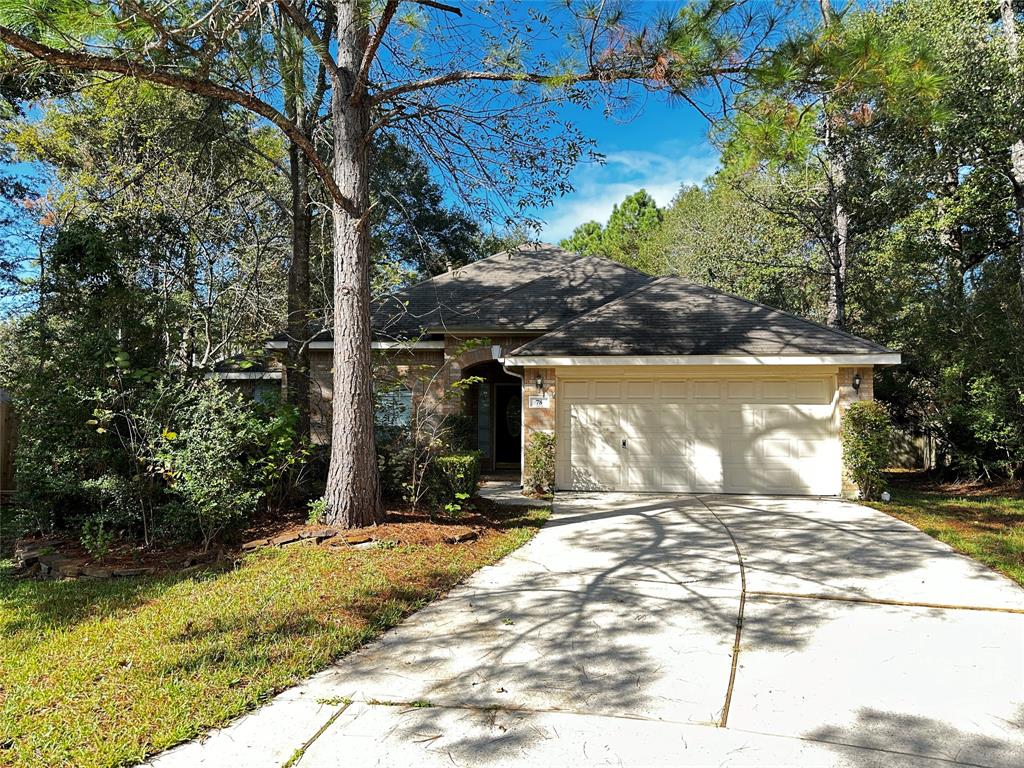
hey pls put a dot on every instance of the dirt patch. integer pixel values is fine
(926, 483)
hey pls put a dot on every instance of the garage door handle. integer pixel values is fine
(623, 443)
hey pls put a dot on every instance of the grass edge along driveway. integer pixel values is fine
(987, 525)
(105, 673)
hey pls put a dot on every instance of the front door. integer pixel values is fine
(508, 419)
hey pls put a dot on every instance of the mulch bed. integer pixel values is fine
(64, 557)
(928, 483)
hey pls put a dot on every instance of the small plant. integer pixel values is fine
(867, 446)
(454, 478)
(459, 505)
(317, 512)
(96, 538)
(539, 478)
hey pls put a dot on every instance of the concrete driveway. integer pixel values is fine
(611, 639)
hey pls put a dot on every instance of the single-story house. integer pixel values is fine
(648, 384)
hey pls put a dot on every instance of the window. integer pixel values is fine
(266, 391)
(394, 408)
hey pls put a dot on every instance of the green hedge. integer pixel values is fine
(454, 477)
(867, 446)
(539, 477)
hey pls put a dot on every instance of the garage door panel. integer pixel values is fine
(607, 390)
(743, 390)
(673, 390)
(574, 390)
(725, 434)
(640, 390)
(707, 390)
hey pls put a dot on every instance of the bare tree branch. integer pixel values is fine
(440, 6)
(362, 78)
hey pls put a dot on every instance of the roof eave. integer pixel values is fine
(878, 358)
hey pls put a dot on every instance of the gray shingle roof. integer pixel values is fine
(533, 288)
(671, 316)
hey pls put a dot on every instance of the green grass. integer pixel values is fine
(104, 673)
(988, 526)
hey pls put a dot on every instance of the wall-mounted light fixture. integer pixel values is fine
(539, 382)
(856, 382)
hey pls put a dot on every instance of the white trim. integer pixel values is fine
(888, 358)
(406, 345)
(373, 345)
(245, 375)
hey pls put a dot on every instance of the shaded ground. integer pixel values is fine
(102, 673)
(645, 630)
(985, 522)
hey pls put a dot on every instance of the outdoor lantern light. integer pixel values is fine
(539, 382)
(856, 382)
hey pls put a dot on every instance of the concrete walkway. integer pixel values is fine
(609, 640)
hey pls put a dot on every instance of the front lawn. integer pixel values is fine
(104, 673)
(987, 524)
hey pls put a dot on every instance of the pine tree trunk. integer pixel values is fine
(836, 300)
(298, 290)
(353, 487)
(1012, 35)
(839, 237)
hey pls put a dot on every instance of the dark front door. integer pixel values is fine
(508, 419)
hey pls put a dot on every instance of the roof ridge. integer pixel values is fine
(595, 310)
(616, 263)
(781, 311)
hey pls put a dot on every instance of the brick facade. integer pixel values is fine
(539, 419)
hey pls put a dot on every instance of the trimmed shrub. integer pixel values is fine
(539, 478)
(453, 479)
(867, 446)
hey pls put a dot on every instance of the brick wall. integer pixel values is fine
(847, 395)
(539, 419)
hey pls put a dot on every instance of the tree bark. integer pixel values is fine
(1016, 171)
(839, 237)
(297, 364)
(352, 497)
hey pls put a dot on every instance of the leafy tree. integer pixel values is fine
(631, 224)
(585, 239)
(808, 100)
(722, 235)
(475, 96)
(412, 225)
(148, 199)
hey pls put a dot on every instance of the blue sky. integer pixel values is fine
(657, 147)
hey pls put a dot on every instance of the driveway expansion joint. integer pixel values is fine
(755, 594)
(297, 756)
(723, 721)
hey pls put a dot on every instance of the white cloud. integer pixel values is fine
(600, 187)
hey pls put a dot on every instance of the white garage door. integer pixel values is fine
(699, 435)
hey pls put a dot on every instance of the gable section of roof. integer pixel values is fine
(674, 317)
